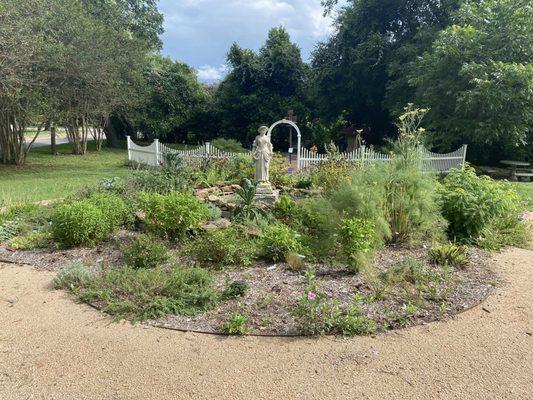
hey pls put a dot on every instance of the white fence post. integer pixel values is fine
(157, 152)
(208, 148)
(128, 140)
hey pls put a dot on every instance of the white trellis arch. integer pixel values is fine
(288, 122)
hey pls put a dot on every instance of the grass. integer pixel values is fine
(46, 177)
(525, 192)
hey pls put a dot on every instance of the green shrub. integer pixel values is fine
(506, 231)
(79, 223)
(172, 215)
(229, 145)
(115, 210)
(303, 182)
(365, 197)
(357, 237)
(141, 294)
(470, 203)
(352, 325)
(162, 180)
(278, 172)
(284, 208)
(212, 172)
(9, 229)
(332, 174)
(318, 222)
(145, 251)
(32, 240)
(278, 241)
(227, 246)
(73, 276)
(449, 254)
(236, 324)
(235, 290)
(412, 208)
(318, 313)
(247, 210)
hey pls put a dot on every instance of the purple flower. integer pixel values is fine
(311, 296)
(329, 293)
(318, 314)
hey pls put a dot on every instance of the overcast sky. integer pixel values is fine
(200, 32)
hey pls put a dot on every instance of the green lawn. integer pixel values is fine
(525, 191)
(50, 177)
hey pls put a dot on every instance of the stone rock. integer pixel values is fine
(217, 224)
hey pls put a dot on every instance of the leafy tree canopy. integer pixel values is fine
(354, 68)
(261, 87)
(478, 79)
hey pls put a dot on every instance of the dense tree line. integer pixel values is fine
(94, 66)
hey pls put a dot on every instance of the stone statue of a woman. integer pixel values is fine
(262, 155)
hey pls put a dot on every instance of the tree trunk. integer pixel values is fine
(53, 139)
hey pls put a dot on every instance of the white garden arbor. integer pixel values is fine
(289, 122)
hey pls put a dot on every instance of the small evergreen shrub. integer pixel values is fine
(79, 223)
(145, 251)
(73, 276)
(278, 241)
(227, 246)
(236, 324)
(449, 254)
(140, 294)
(172, 215)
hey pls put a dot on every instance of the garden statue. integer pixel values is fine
(262, 154)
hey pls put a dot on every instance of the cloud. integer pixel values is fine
(208, 73)
(200, 32)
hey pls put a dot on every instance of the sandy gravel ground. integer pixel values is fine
(52, 348)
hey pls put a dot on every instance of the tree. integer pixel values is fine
(23, 52)
(478, 80)
(261, 87)
(360, 63)
(63, 63)
(174, 97)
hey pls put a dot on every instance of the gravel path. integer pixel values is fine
(53, 348)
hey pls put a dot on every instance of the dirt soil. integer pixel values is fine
(53, 348)
(274, 291)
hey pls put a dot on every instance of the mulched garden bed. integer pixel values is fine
(274, 290)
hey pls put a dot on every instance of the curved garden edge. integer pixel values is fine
(209, 321)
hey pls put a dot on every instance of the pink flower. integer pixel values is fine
(329, 293)
(318, 313)
(311, 296)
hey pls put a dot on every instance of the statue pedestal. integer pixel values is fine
(265, 194)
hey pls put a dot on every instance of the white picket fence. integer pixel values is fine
(154, 155)
(431, 162)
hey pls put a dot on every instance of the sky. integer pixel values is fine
(200, 32)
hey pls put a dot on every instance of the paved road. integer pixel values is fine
(53, 348)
